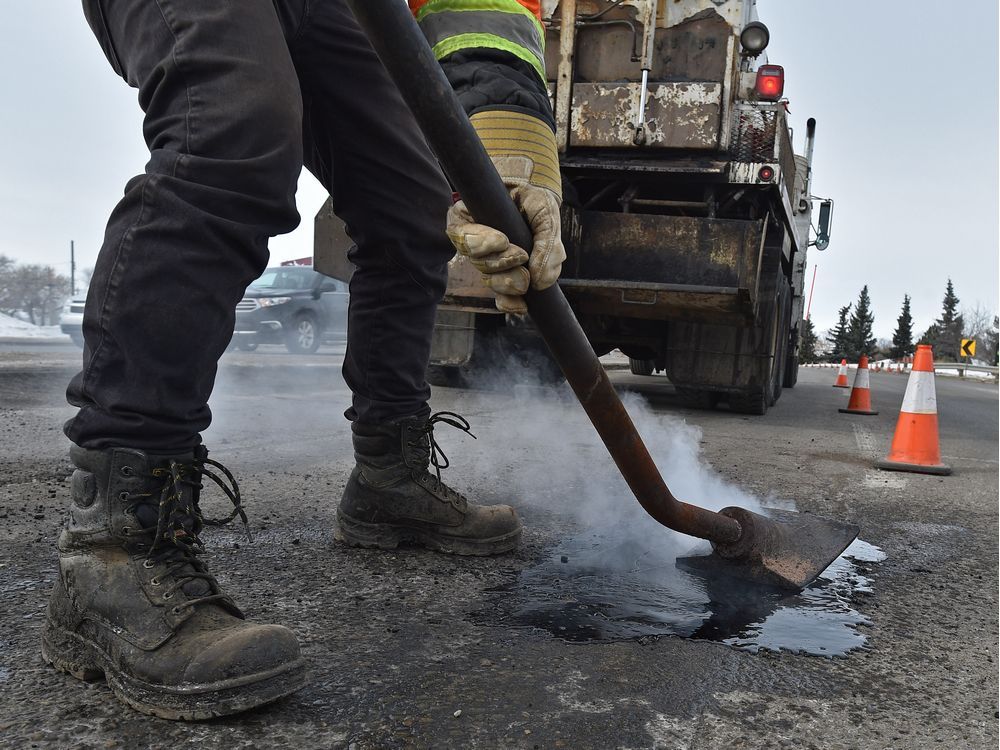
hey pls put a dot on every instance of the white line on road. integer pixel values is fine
(869, 449)
(866, 441)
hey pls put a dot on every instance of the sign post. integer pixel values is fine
(968, 351)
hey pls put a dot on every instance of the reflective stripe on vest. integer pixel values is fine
(455, 25)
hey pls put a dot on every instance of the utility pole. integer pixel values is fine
(72, 269)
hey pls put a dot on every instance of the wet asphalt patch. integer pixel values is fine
(590, 589)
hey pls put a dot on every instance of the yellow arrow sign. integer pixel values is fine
(968, 347)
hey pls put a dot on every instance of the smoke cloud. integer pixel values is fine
(540, 448)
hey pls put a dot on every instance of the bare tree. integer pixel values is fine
(37, 291)
(979, 325)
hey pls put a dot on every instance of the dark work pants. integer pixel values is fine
(237, 97)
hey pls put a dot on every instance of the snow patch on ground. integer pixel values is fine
(12, 328)
(968, 374)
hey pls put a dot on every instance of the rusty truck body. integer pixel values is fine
(686, 213)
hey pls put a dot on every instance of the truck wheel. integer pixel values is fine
(641, 366)
(445, 376)
(757, 400)
(781, 342)
(791, 371)
(754, 402)
(303, 335)
(697, 398)
(248, 345)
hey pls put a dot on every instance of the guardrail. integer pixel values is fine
(904, 368)
(962, 368)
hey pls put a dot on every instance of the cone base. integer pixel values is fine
(938, 469)
(858, 411)
(841, 386)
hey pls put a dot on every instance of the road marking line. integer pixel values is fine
(865, 441)
(883, 480)
(874, 478)
(976, 460)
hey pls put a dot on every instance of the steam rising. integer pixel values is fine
(542, 451)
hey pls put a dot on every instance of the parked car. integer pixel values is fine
(71, 319)
(293, 305)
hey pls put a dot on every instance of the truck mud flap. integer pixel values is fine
(664, 267)
(453, 340)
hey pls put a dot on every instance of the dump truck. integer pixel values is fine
(686, 213)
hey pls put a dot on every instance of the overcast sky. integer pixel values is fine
(904, 93)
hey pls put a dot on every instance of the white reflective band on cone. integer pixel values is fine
(862, 380)
(920, 397)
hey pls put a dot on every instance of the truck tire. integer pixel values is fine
(757, 400)
(791, 371)
(641, 366)
(751, 402)
(782, 339)
(444, 376)
(303, 336)
(791, 374)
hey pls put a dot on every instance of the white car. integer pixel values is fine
(71, 319)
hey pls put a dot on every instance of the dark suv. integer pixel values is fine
(293, 305)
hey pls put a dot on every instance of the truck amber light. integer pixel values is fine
(770, 82)
(766, 174)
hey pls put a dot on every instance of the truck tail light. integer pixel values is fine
(770, 82)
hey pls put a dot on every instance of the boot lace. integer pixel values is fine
(174, 541)
(421, 441)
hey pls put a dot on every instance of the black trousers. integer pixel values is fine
(237, 97)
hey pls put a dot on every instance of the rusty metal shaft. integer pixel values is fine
(404, 51)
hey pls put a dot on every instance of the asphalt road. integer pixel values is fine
(402, 641)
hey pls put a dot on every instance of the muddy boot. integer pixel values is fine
(135, 603)
(392, 498)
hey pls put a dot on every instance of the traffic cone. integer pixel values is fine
(915, 444)
(842, 376)
(861, 398)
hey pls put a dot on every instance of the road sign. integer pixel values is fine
(968, 347)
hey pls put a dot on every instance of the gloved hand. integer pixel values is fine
(523, 150)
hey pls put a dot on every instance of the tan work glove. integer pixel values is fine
(523, 150)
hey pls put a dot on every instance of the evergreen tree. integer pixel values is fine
(902, 337)
(859, 338)
(838, 335)
(947, 336)
(807, 347)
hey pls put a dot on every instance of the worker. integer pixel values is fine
(237, 97)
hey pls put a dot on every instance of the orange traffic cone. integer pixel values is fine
(842, 376)
(861, 398)
(915, 445)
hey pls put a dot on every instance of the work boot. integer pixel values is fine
(135, 603)
(392, 498)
